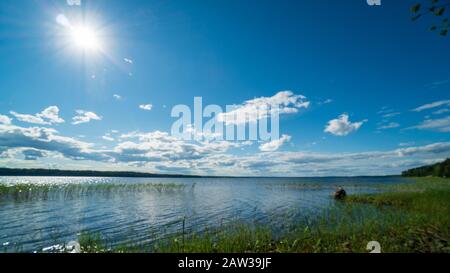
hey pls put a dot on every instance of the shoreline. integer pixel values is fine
(17, 172)
(407, 218)
(403, 217)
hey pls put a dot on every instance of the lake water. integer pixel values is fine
(132, 210)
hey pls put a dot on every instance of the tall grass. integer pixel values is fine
(406, 218)
(30, 191)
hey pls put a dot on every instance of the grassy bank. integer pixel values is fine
(412, 217)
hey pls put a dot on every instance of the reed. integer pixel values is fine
(412, 217)
(29, 191)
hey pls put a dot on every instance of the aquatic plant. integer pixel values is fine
(413, 218)
(30, 191)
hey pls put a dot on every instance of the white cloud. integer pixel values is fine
(117, 97)
(5, 119)
(385, 110)
(47, 139)
(52, 114)
(108, 138)
(432, 105)
(146, 107)
(160, 145)
(85, 116)
(437, 83)
(62, 20)
(274, 145)
(33, 154)
(27, 154)
(343, 164)
(130, 61)
(48, 116)
(73, 2)
(28, 118)
(327, 101)
(440, 125)
(259, 108)
(342, 126)
(160, 151)
(390, 115)
(390, 125)
(435, 148)
(441, 111)
(386, 114)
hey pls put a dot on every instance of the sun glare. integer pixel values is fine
(82, 36)
(85, 38)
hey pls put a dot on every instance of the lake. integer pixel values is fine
(42, 213)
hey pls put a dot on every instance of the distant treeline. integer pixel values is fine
(55, 172)
(441, 169)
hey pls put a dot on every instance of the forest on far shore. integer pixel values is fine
(441, 169)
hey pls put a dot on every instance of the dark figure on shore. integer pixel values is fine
(340, 193)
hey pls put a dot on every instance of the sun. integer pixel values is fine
(85, 38)
(82, 35)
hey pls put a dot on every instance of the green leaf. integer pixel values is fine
(440, 11)
(433, 28)
(415, 8)
(444, 32)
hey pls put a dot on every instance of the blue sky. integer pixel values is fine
(376, 82)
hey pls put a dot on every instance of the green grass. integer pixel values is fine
(412, 217)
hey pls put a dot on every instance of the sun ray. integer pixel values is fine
(85, 38)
